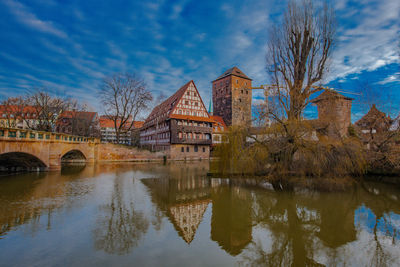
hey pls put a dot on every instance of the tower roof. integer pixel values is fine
(330, 94)
(233, 71)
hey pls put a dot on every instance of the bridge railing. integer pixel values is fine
(16, 134)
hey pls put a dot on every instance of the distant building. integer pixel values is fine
(219, 130)
(82, 123)
(180, 125)
(13, 116)
(232, 96)
(334, 113)
(375, 121)
(108, 133)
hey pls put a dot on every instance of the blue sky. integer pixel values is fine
(70, 46)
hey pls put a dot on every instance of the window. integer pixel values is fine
(241, 91)
(237, 81)
(196, 149)
(204, 149)
(187, 149)
(180, 111)
(182, 149)
(186, 102)
(240, 100)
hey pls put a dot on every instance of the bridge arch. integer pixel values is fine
(21, 161)
(73, 155)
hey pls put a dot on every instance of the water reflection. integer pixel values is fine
(120, 227)
(231, 221)
(128, 207)
(182, 195)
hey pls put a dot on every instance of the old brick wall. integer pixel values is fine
(241, 101)
(337, 114)
(222, 99)
(111, 152)
(177, 154)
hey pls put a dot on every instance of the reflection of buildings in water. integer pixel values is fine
(337, 221)
(231, 222)
(187, 217)
(183, 200)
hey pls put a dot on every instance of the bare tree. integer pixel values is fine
(46, 109)
(12, 112)
(78, 120)
(124, 97)
(298, 54)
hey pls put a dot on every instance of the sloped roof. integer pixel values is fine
(374, 116)
(16, 111)
(233, 71)
(220, 121)
(72, 114)
(108, 123)
(330, 94)
(166, 108)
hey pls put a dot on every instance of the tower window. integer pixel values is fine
(240, 100)
(241, 91)
(237, 81)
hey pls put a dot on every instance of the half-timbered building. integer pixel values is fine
(180, 125)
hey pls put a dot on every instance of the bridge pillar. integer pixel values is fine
(54, 160)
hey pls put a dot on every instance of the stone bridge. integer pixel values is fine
(22, 149)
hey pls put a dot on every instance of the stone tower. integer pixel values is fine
(334, 111)
(231, 94)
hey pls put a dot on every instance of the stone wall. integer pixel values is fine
(337, 114)
(111, 152)
(241, 101)
(183, 152)
(222, 99)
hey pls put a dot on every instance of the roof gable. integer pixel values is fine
(233, 71)
(330, 94)
(190, 103)
(176, 107)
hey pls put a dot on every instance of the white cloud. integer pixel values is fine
(391, 78)
(372, 44)
(26, 17)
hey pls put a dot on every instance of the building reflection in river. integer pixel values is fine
(253, 225)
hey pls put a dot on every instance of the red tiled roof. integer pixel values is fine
(220, 123)
(191, 118)
(166, 108)
(233, 71)
(108, 123)
(80, 115)
(16, 110)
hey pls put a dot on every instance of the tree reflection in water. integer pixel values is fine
(120, 227)
(318, 229)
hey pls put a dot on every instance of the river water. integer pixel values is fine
(174, 215)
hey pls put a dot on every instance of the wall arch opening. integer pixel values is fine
(20, 161)
(73, 156)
